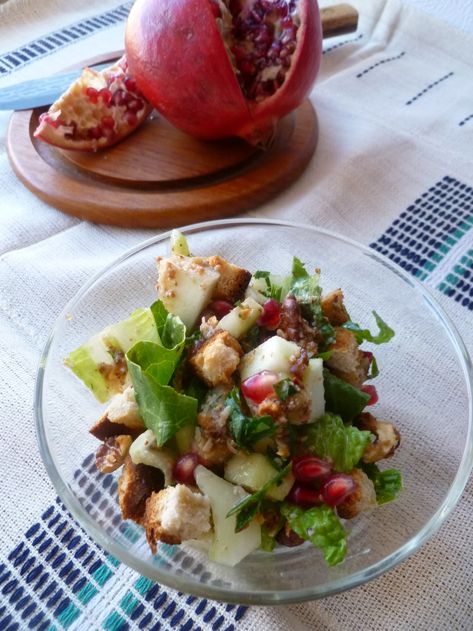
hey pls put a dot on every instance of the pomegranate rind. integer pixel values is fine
(181, 66)
(178, 57)
(74, 107)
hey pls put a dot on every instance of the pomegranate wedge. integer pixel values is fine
(98, 110)
(220, 68)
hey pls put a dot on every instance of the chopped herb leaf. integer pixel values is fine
(285, 388)
(384, 335)
(246, 430)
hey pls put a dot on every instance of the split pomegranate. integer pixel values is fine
(260, 386)
(220, 68)
(98, 110)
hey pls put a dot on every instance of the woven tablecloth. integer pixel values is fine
(393, 169)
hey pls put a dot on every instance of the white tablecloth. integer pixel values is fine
(396, 116)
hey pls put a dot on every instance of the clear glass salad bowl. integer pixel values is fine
(424, 387)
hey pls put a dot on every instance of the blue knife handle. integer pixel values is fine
(38, 92)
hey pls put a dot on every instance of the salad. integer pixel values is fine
(237, 407)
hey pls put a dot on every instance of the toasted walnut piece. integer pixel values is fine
(363, 498)
(212, 441)
(333, 308)
(293, 327)
(217, 359)
(287, 537)
(112, 452)
(232, 282)
(347, 362)
(387, 437)
(176, 514)
(120, 417)
(135, 485)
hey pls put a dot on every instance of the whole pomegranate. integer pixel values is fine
(98, 110)
(220, 68)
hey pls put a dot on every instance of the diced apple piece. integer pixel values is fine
(184, 438)
(253, 471)
(144, 450)
(240, 319)
(179, 243)
(228, 547)
(87, 363)
(275, 354)
(314, 384)
(255, 295)
(185, 286)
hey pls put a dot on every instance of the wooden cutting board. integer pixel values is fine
(159, 177)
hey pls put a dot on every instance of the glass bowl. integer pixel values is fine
(424, 387)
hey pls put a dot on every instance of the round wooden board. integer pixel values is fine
(159, 177)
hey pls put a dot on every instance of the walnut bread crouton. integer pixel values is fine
(176, 514)
(135, 485)
(363, 498)
(217, 359)
(387, 437)
(121, 417)
(346, 361)
(334, 309)
(233, 280)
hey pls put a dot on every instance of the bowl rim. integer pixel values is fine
(262, 597)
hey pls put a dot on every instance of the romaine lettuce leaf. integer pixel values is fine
(330, 438)
(342, 398)
(151, 366)
(321, 527)
(387, 483)
(384, 335)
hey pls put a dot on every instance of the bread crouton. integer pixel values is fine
(233, 280)
(347, 361)
(135, 485)
(387, 437)
(112, 452)
(176, 514)
(217, 359)
(363, 498)
(121, 417)
(333, 308)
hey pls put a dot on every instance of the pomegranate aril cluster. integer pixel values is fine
(317, 484)
(264, 40)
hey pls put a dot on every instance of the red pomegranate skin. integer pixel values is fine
(177, 56)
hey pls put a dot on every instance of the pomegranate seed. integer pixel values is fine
(369, 355)
(131, 118)
(95, 132)
(305, 496)
(107, 121)
(221, 308)
(337, 488)
(371, 390)
(259, 386)
(135, 106)
(184, 467)
(93, 94)
(106, 95)
(119, 98)
(130, 84)
(286, 22)
(310, 468)
(271, 314)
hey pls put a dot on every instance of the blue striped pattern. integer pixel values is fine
(57, 570)
(432, 231)
(20, 57)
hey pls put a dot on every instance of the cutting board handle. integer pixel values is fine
(339, 19)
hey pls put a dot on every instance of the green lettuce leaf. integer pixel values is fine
(244, 429)
(384, 335)
(387, 483)
(330, 438)
(343, 399)
(307, 291)
(151, 366)
(321, 527)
